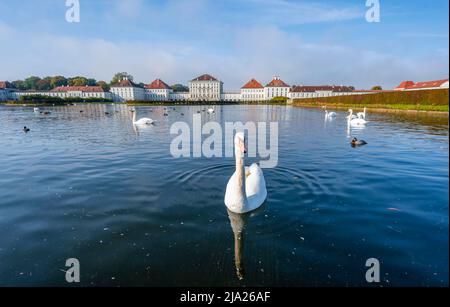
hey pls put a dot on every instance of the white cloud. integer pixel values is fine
(259, 52)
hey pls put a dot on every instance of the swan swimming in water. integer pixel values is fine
(246, 190)
(211, 111)
(330, 114)
(355, 121)
(362, 114)
(142, 121)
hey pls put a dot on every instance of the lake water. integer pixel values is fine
(89, 186)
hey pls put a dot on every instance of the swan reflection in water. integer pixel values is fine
(238, 223)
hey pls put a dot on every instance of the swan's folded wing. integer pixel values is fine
(255, 183)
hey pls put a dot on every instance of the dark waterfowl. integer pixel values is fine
(355, 142)
(26, 130)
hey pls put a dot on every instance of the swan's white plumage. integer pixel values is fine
(362, 115)
(330, 114)
(355, 121)
(236, 199)
(143, 121)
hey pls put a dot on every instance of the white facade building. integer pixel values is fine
(252, 91)
(180, 96)
(158, 90)
(276, 88)
(205, 88)
(126, 90)
(84, 92)
(230, 97)
(302, 92)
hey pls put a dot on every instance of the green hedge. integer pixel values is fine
(426, 97)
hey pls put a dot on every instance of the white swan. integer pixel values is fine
(355, 121)
(362, 114)
(36, 110)
(211, 111)
(143, 121)
(246, 190)
(330, 114)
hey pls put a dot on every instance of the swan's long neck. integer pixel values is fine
(134, 116)
(240, 173)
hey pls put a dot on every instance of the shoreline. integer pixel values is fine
(379, 110)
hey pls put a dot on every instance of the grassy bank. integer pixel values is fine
(427, 100)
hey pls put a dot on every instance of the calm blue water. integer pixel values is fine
(87, 185)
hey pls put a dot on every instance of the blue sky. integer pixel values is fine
(304, 42)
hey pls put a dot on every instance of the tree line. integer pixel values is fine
(35, 83)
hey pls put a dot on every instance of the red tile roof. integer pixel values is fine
(96, 89)
(3, 85)
(252, 84)
(332, 88)
(404, 84)
(277, 83)
(125, 83)
(409, 85)
(158, 84)
(205, 77)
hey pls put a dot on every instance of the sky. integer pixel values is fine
(304, 42)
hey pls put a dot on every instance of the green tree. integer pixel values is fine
(91, 82)
(180, 88)
(31, 83)
(19, 84)
(43, 84)
(377, 88)
(57, 81)
(120, 76)
(105, 86)
(78, 81)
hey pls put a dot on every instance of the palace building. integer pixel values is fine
(205, 88)
(252, 91)
(127, 90)
(158, 90)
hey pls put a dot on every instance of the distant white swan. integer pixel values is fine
(246, 190)
(330, 114)
(355, 121)
(362, 114)
(36, 110)
(211, 111)
(143, 121)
